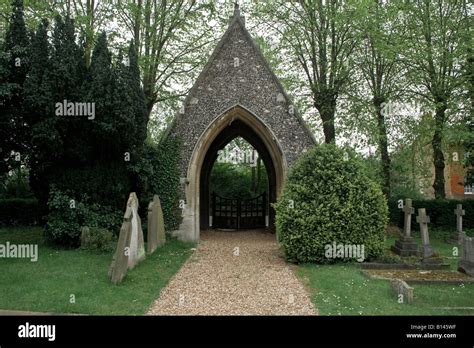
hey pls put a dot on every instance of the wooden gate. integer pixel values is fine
(230, 213)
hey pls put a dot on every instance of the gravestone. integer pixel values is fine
(85, 236)
(119, 266)
(405, 246)
(427, 253)
(156, 225)
(456, 237)
(424, 220)
(137, 245)
(466, 260)
(130, 247)
(400, 287)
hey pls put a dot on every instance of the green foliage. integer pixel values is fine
(411, 161)
(469, 143)
(98, 239)
(67, 216)
(85, 156)
(15, 185)
(236, 180)
(158, 173)
(440, 211)
(14, 63)
(406, 191)
(19, 211)
(64, 222)
(328, 198)
(238, 171)
(86, 273)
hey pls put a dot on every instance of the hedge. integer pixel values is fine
(440, 211)
(19, 211)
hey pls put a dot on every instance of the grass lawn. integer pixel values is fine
(47, 285)
(341, 289)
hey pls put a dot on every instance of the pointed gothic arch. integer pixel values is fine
(236, 121)
(236, 94)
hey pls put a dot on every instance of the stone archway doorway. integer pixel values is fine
(235, 122)
(237, 128)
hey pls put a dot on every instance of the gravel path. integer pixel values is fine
(234, 273)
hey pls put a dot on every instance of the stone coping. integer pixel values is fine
(463, 278)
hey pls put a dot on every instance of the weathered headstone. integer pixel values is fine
(137, 245)
(459, 212)
(119, 266)
(466, 260)
(156, 225)
(130, 246)
(85, 236)
(400, 287)
(405, 246)
(424, 220)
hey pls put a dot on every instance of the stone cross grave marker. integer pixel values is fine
(459, 212)
(156, 225)
(130, 246)
(424, 220)
(408, 210)
(406, 246)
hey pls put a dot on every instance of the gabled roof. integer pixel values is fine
(238, 20)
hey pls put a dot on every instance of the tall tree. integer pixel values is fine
(322, 36)
(433, 55)
(91, 16)
(13, 70)
(169, 39)
(45, 140)
(469, 88)
(381, 72)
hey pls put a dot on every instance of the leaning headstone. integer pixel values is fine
(466, 260)
(156, 225)
(401, 288)
(429, 258)
(405, 246)
(130, 246)
(118, 268)
(424, 220)
(459, 212)
(137, 245)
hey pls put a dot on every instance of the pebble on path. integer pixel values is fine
(234, 273)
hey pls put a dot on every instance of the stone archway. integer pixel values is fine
(237, 94)
(237, 121)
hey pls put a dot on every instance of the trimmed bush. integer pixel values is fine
(98, 239)
(19, 211)
(67, 216)
(328, 198)
(440, 211)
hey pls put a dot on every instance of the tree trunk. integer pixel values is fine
(89, 37)
(383, 146)
(150, 103)
(438, 156)
(259, 167)
(253, 180)
(326, 110)
(413, 171)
